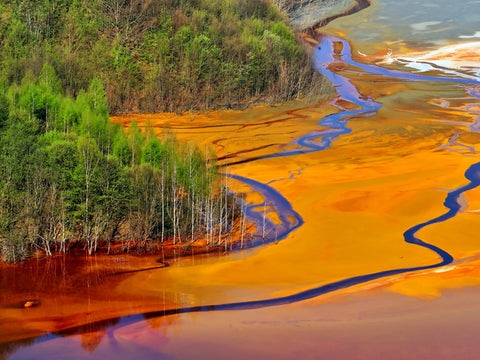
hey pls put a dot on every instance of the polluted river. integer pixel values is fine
(366, 207)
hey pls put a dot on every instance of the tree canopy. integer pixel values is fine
(69, 177)
(156, 55)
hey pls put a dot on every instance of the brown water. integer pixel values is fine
(358, 186)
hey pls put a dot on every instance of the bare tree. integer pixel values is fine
(89, 159)
(129, 19)
(163, 200)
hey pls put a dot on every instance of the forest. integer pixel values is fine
(158, 55)
(69, 177)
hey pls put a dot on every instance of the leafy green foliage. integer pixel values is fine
(68, 175)
(4, 110)
(152, 55)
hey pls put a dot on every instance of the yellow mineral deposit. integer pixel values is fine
(356, 199)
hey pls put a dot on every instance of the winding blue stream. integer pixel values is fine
(323, 56)
(333, 126)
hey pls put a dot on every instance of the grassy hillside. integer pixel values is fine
(154, 55)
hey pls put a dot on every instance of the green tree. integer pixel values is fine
(154, 153)
(135, 140)
(4, 110)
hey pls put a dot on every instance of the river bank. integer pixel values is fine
(310, 15)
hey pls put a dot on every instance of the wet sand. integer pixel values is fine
(356, 198)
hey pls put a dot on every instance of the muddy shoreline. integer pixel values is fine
(310, 15)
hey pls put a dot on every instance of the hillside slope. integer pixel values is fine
(157, 55)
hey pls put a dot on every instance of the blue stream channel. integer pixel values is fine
(323, 56)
